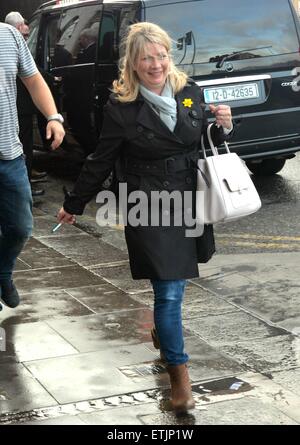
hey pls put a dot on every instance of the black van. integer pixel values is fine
(242, 53)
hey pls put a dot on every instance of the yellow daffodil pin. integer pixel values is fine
(187, 103)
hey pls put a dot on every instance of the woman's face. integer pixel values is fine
(152, 67)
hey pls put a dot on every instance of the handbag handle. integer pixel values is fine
(211, 144)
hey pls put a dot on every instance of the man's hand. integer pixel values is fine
(56, 131)
(223, 115)
(42, 98)
(65, 217)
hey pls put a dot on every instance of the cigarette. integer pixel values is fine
(56, 227)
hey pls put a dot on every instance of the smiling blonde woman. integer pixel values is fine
(153, 124)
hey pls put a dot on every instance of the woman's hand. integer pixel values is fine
(223, 115)
(65, 217)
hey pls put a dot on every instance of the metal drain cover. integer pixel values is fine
(142, 370)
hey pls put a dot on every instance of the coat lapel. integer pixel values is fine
(185, 132)
(181, 112)
(189, 116)
(148, 118)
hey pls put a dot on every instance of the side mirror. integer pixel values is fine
(180, 44)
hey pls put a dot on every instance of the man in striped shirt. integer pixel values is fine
(15, 193)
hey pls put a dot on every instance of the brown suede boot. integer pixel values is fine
(181, 391)
(155, 341)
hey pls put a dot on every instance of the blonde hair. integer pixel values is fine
(127, 86)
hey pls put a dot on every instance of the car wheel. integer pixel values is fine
(267, 167)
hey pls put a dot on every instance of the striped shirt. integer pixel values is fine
(15, 59)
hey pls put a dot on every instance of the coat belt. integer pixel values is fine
(166, 166)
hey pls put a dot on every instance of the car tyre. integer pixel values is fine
(267, 167)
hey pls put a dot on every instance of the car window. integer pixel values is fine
(115, 22)
(72, 36)
(108, 38)
(33, 36)
(210, 32)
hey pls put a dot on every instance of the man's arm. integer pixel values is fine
(42, 98)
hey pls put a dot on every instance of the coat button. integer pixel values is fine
(188, 180)
(139, 129)
(194, 123)
(193, 113)
(166, 183)
(150, 135)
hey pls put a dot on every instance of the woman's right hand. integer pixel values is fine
(65, 217)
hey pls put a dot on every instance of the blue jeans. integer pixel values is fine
(168, 295)
(15, 213)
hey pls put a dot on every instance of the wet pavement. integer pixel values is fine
(78, 349)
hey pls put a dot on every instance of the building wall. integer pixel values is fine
(25, 7)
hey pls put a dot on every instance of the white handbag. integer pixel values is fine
(225, 191)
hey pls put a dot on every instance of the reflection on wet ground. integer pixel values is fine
(202, 393)
(78, 349)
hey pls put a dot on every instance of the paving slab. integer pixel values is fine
(116, 238)
(38, 307)
(104, 298)
(120, 416)
(92, 375)
(242, 411)
(281, 396)
(208, 363)
(133, 402)
(120, 277)
(288, 379)
(37, 256)
(22, 391)
(85, 250)
(197, 302)
(275, 302)
(225, 283)
(45, 280)
(105, 332)
(232, 327)
(254, 266)
(265, 355)
(21, 265)
(35, 341)
(280, 273)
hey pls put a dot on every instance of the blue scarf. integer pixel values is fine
(165, 104)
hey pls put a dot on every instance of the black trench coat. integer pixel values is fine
(134, 133)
